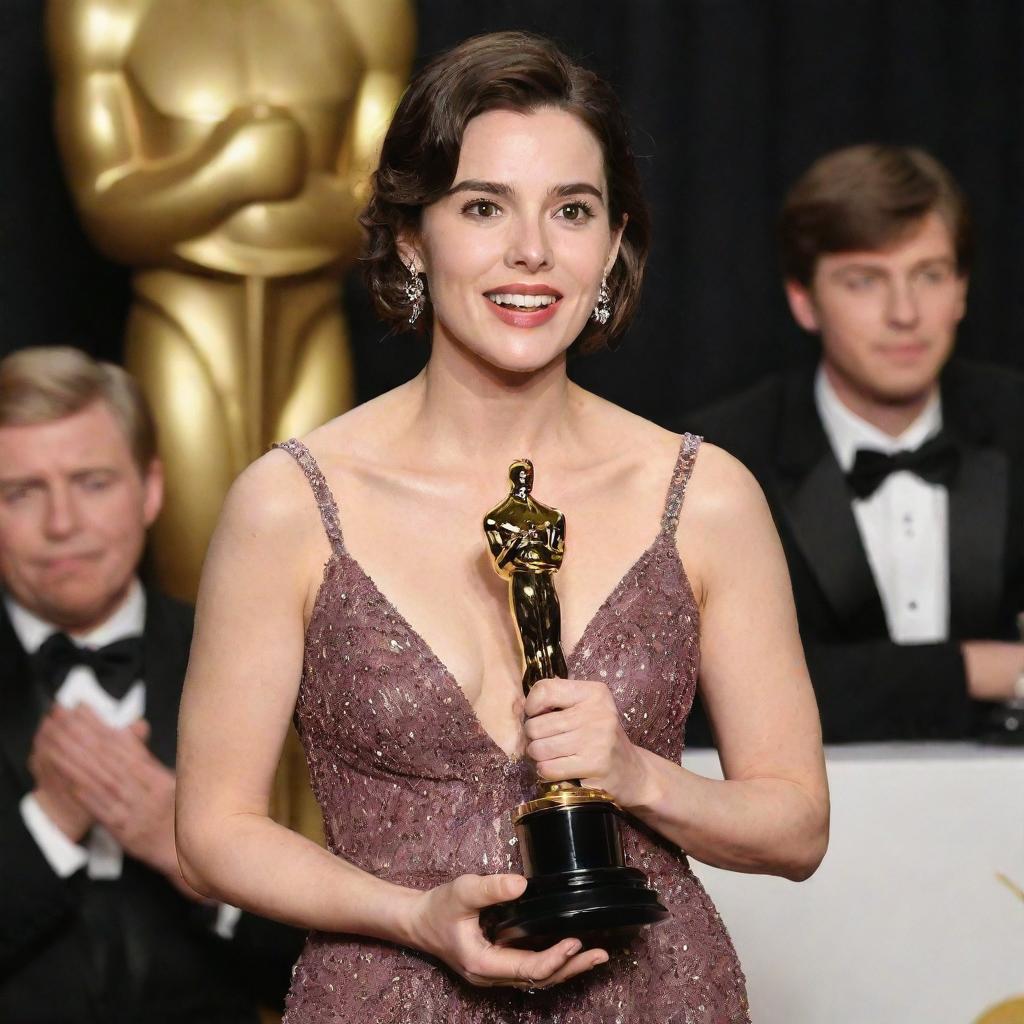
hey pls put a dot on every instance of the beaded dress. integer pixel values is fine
(414, 790)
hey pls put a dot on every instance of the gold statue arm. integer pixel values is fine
(556, 535)
(501, 547)
(386, 33)
(326, 215)
(505, 551)
(139, 208)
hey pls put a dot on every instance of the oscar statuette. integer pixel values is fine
(578, 884)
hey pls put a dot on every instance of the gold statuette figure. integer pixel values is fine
(527, 541)
(219, 147)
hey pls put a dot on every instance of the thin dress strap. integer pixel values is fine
(324, 499)
(680, 477)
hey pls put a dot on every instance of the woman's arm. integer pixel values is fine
(770, 814)
(259, 580)
(239, 695)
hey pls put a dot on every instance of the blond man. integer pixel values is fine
(92, 664)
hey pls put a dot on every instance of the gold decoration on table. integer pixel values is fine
(1011, 1011)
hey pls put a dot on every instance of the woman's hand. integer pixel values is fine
(575, 733)
(446, 924)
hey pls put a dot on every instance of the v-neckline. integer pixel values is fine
(342, 552)
(329, 514)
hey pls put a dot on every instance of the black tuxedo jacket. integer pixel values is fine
(868, 687)
(131, 949)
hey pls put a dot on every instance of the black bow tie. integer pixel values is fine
(117, 666)
(936, 461)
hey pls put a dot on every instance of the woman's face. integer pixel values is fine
(515, 251)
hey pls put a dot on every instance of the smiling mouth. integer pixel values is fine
(522, 303)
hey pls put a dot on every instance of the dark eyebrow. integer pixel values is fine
(492, 188)
(577, 188)
(496, 188)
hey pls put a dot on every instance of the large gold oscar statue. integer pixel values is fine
(220, 147)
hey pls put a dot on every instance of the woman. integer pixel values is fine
(506, 217)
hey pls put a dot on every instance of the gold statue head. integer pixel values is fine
(520, 475)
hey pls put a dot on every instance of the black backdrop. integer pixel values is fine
(730, 100)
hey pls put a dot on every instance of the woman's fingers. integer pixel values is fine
(501, 966)
(565, 744)
(474, 892)
(559, 769)
(578, 964)
(554, 695)
(550, 723)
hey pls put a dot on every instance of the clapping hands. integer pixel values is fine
(87, 772)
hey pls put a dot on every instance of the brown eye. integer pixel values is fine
(860, 282)
(575, 212)
(481, 208)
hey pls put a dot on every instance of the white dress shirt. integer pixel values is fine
(102, 855)
(904, 524)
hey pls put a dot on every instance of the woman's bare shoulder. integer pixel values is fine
(271, 496)
(725, 523)
(721, 486)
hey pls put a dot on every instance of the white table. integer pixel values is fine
(905, 920)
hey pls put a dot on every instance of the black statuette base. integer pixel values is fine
(578, 885)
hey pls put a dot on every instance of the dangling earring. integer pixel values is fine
(414, 293)
(603, 309)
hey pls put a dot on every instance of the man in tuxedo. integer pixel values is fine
(96, 922)
(896, 476)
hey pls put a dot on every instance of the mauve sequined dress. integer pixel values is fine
(414, 790)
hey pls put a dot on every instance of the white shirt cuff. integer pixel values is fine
(105, 854)
(227, 921)
(63, 855)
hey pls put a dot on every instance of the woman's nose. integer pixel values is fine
(528, 247)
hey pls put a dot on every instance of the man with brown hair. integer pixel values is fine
(895, 476)
(96, 922)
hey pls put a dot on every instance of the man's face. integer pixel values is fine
(74, 511)
(887, 318)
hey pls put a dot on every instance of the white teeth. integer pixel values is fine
(524, 301)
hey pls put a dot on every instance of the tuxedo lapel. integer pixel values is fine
(21, 704)
(979, 503)
(816, 502)
(165, 658)
(978, 506)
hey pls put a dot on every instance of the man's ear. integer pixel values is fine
(152, 492)
(964, 282)
(802, 306)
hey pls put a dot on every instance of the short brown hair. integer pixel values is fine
(39, 385)
(865, 198)
(515, 71)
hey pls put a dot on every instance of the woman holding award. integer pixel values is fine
(505, 218)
